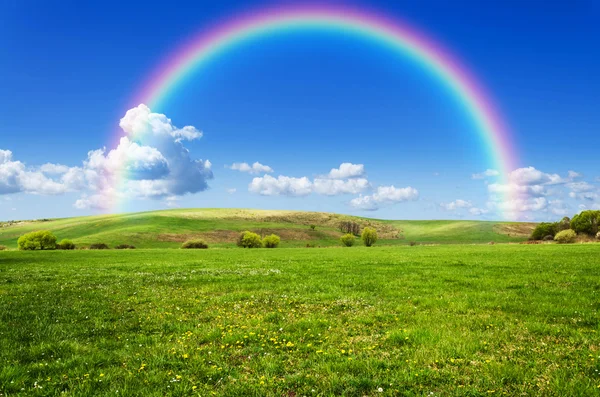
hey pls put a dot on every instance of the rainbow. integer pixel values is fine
(395, 35)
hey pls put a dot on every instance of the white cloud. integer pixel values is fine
(256, 168)
(332, 187)
(232, 190)
(95, 202)
(456, 204)
(574, 175)
(141, 123)
(478, 211)
(172, 201)
(347, 170)
(54, 169)
(558, 207)
(579, 187)
(513, 188)
(384, 195)
(151, 162)
(16, 177)
(532, 176)
(485, 174)
(523, 205)
(282, 185)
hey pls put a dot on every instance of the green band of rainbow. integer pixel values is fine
(395, 35)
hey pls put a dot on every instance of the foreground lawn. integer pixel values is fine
(447, 320)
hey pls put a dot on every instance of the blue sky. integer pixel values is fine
(301, 104)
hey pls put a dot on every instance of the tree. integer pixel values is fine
(249, 240)
(542, 230)
(565, 237)
(369, 236)
(350, 227)
(348, 239)
(586, 222)
(271, 241)
(563, 224)
(42, 240)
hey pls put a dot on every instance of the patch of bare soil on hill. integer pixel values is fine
(515, 229)
(231, 236)
(319, 219)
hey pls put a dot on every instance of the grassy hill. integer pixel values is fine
(220, 227)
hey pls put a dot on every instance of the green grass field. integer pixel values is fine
(220, 227)
(459, 320)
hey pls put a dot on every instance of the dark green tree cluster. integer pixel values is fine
(586, 222)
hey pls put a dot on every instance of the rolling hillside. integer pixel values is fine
(220, 227)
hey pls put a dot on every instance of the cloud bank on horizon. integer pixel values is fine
(152, 162)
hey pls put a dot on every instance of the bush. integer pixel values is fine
(348, 239)
(42, 240)
(586, 222)
(271, 241)
(313, 227)
(249, 240)
(369, 236)
(565, 237)
(194, 244)
(548, 238)
(543, 229)
(124, 247)
(3, 248)
(65, 244)
(99, 246)
(412, 243)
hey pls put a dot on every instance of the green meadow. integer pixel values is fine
(221, 227)
(443, 320)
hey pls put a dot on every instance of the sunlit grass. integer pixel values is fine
(447, 320)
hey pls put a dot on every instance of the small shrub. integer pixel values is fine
(348, 239)
(65, 244)
(313, 227)
(548, 238)
(369, 236)
(566, 236)
(412, 243)
(99, 246)
(3, 248)
(42, 240)
(271, 241)
(249, 240)
(124, 247)
(194, 244)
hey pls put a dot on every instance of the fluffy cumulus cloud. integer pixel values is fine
(15, 177)
(529, 190)
(333, 187)
(256, 168)
(456, 204)
(346, 181)
(347, 170)
(485, 174)
(141, 123)
(149, 162)
(384, 196)
(281, 186)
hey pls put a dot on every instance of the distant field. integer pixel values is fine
(220, 227)
(464, 320)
